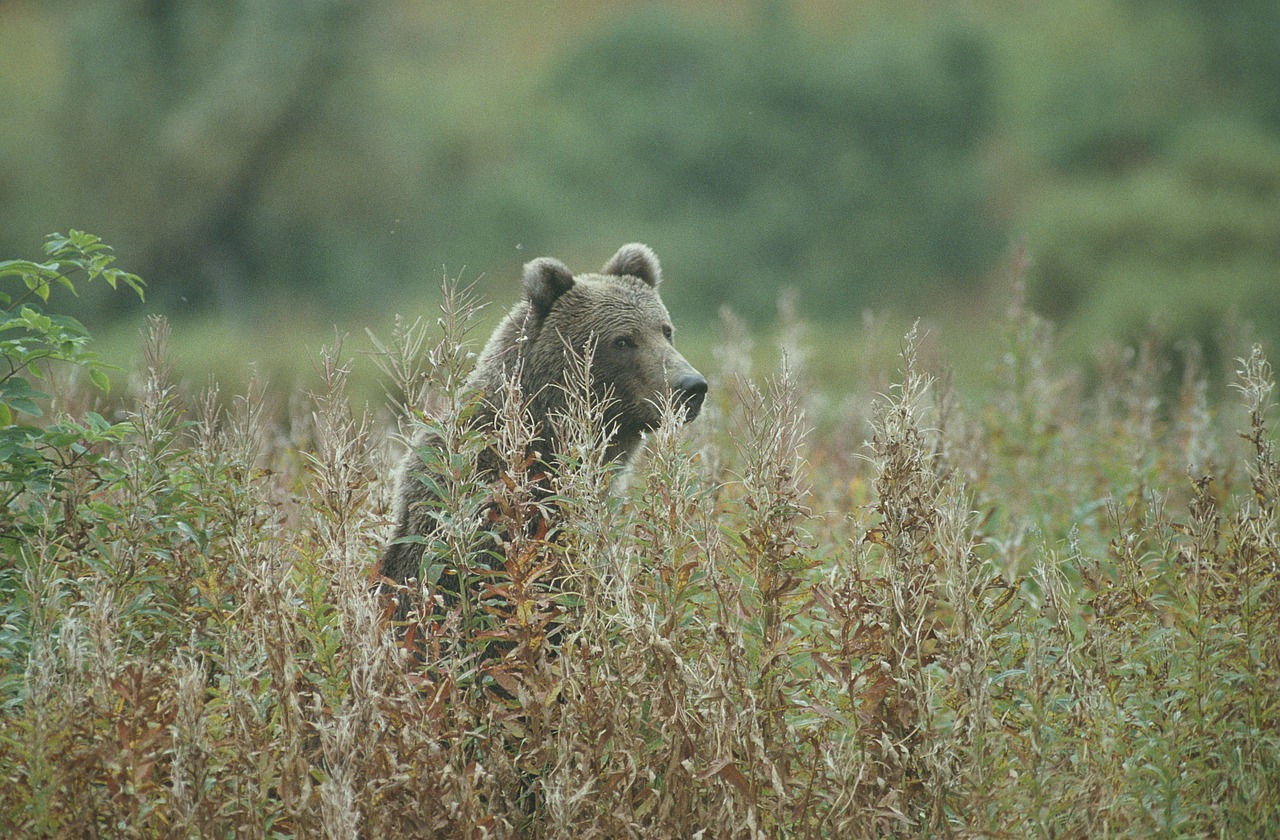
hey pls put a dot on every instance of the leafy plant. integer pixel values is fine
(34, 460)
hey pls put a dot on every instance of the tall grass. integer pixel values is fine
(1046, 609)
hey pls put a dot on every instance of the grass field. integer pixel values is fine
(1043, 607)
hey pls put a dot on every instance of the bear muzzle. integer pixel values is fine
(689, 391)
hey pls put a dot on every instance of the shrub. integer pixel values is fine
(37, 460)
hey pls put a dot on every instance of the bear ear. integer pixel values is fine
(545, 280)
(635, 260)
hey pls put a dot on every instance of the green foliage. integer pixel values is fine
(36, 460)
(1240, 39)
(1192, 230)
(193, 109)
(763, 153)
(1150, 188)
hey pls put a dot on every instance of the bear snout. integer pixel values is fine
(690, 390)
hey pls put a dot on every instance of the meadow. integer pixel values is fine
(1045, 606)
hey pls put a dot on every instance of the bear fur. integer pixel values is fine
(618, 316)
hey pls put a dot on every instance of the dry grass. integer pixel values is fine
(1050, 610)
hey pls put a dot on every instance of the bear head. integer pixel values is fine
(616, 315)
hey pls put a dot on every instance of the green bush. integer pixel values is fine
(35, 461)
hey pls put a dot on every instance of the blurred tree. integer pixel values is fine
(337, 153)
(1191, 236)
(1161, 190)
(764, 157)
(1242, 40)
(189, 108)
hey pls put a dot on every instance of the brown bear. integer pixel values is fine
(618, 316)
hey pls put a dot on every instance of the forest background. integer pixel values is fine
(274, 169)
(1029, 588)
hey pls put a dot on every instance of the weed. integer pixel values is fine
(1044, 609)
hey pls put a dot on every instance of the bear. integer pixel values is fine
(617, 316)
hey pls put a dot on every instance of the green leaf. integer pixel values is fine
(15, 387)
(55, 242)
(18, 394)
(6, 416)
(86, 241)
(25, 406)
(70, 325)
(11, 268)
(37, 284)
(34, 320)
(99, 378)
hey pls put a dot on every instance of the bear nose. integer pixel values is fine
(690, 391)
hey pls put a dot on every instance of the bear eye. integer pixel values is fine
(668, 333)
(624, 342)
